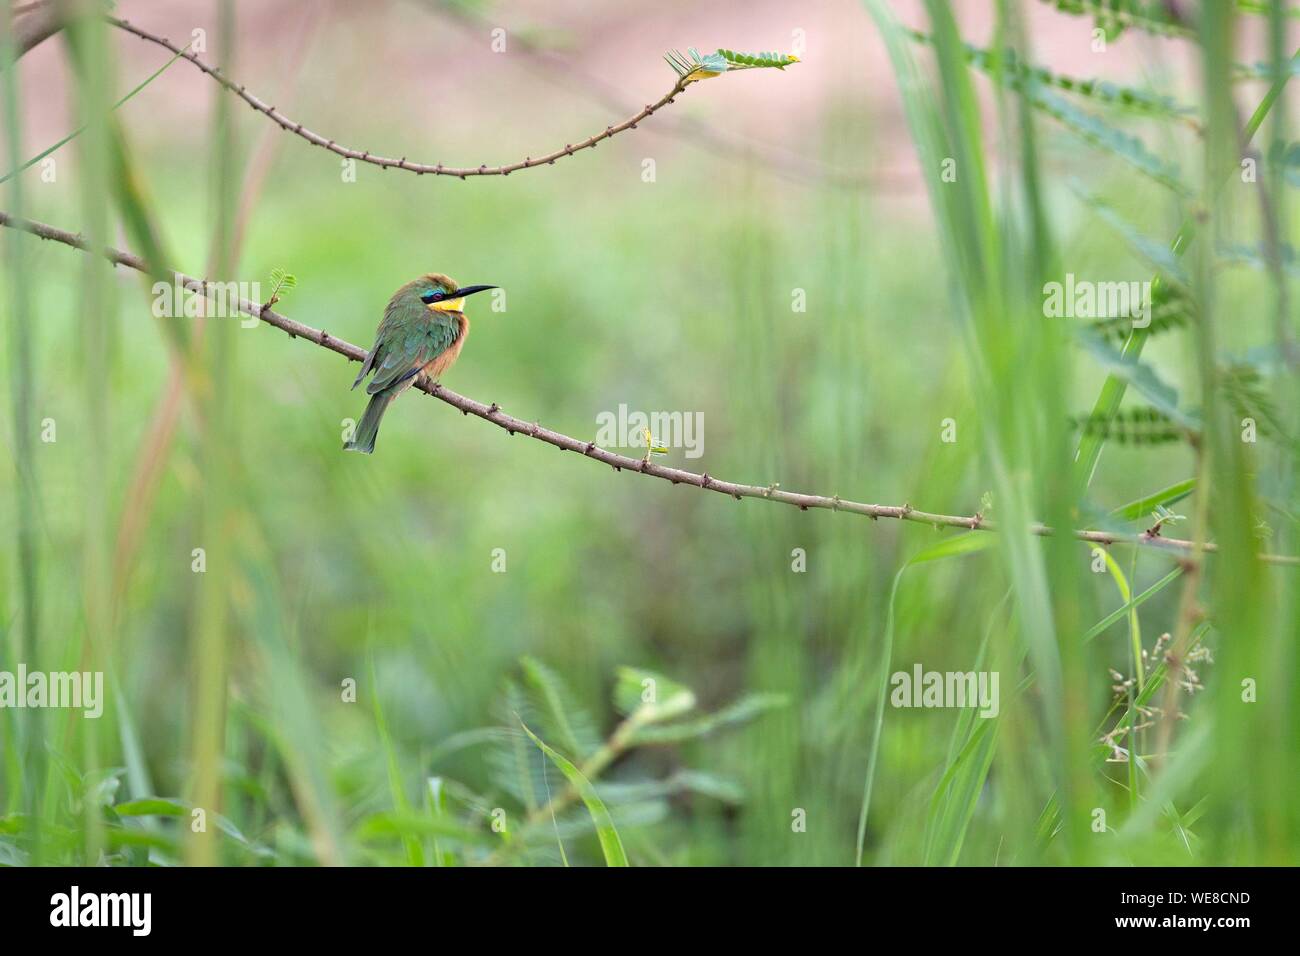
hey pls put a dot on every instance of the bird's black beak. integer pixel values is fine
(469, 290)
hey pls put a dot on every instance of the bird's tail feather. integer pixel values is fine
(368, 428)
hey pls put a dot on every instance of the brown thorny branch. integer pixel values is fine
(385, 162)
(587, 449)
(784, 165)
(593, 84)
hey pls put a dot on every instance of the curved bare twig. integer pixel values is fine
(593, 84)
(386, 162)
(588, 449)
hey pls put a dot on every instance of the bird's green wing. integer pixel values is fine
(406, 348)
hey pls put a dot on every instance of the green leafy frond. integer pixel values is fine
(650, 697)
(738, 712)
(514, 766)
(1286, 157)
(563, 718)
(1097, 132)
(745, 61)
(1255, 257)
(1170, 309)
(1014, 73)
(1115, 16)
(1264, 71)
(1247, 393)
(1140, 425)
(692, 66)
(655, 706)
(1141, 377)
(1265, 8)
(1156, 253)
(281, 282)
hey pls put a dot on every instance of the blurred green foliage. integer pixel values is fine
(369, 637)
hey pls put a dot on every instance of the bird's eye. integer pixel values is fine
(431, 297)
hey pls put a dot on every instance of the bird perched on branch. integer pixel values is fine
(423, 330)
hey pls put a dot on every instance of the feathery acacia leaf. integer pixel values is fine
(1097, 132)
(1087, 126)
(1140, 425)
(1245, 390)
(1157, 254)
(1171, 309)
(1012, 71)
(565, 721)
(1265, 71)
(1255, 257)
(1141, 377)
(692, 66)
(1115, 16)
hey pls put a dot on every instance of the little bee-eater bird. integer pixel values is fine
(423, 330)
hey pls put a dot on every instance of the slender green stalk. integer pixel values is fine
(218, 441)
(24, 737)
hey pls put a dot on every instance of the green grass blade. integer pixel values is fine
(1142, 507)
(396, 789)
(1130, 605)
(81, 129)
(610, 844)
(950, 547)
